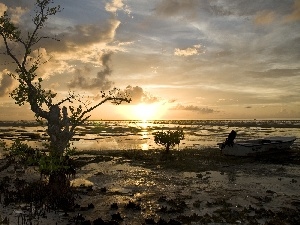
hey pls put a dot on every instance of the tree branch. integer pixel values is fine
(9, 51)
(116, 100)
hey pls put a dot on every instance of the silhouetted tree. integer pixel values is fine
(61, 118)
(168, 138)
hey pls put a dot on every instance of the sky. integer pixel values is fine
(178, 59)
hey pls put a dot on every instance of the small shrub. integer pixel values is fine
(24, 154)
(169, 138)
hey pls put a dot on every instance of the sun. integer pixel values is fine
(145, 112)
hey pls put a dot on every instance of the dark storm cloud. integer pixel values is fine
(193, 108)
(101, 81)
(138, 95)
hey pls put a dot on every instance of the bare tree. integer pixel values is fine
(61, 119)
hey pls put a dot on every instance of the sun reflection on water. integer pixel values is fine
(144, 124)
(145, 134)
(139, 134)
(145, 146)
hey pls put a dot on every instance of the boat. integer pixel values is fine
(256, 146)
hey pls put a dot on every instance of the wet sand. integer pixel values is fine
(184, 187)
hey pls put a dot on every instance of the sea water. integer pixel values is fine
(139, 135)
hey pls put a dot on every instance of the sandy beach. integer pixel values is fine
(183, 187)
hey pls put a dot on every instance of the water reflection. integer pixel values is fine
(80, 182)
(145, 146)
(127, 135)
(144, 134)
(144, 124)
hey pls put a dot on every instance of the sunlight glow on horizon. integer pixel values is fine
(146, 112)
(173, 74)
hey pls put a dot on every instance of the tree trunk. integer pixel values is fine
(60, 191)
(60, 136)
(59, 142)
(58, 130)
(168, 148)
(58, 180)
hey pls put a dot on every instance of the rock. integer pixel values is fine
(77, 206)
(150, 221)
(86, 222)
(162, 198)
(103, 189)
(114, 206)
(112, 222)
(116, 217)
(5, 221)
(79, 218)
(91, 206)
(132, 205)
(99, 221)
(174, 222)
(162, 222)
(270, 192)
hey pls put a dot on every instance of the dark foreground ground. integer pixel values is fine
(183, 187)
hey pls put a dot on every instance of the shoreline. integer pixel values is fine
(123, 135)
(187, 186)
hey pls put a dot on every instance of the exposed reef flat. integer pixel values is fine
(183, 187)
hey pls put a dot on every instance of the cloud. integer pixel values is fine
(191, 9)
(6, 84)
(264, 17)
(284, 112)
(172, 100)
(176, 7)
(276, 73)
(295, 15)
(72, 37)
(83, 35)
(138, 95)
(23, 4)
(15, 12)
(195, 50)
(101, 81)
(193, 108)
(3, 8)
(49, 65)
(116, 5)
(81, 43)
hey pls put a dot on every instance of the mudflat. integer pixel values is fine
(182, 187)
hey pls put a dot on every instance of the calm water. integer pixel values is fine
(123, 135)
